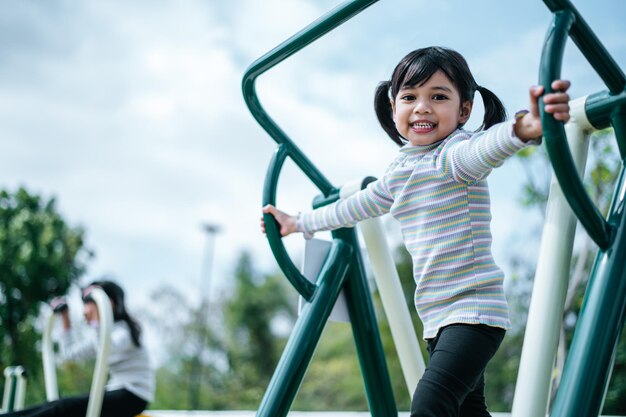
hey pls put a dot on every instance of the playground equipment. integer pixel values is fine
(99, 378)
(591, 355)
(14, 389)
(588, 365)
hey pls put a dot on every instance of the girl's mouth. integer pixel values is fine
(422, 126)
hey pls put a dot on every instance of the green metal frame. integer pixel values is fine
(343, 268)
(591, 355)
(592, 350)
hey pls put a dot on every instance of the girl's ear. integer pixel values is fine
(466, 111)
(393, 109)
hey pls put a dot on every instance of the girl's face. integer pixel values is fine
(428, 113)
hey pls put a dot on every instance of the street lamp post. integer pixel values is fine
(203, 317)
(211, 230)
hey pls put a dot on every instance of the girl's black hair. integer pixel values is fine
(416, 68)
(116, 294)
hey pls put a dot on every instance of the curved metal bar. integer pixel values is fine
(292, 45)
(20, 388)
(272, 229)
(96, 394)
(556, 141)
(591, 47)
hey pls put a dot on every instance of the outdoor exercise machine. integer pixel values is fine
(592, 351)
(101, 368)
(589, 362)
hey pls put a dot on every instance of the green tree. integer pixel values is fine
(259, 302)
(222, 355)
(189, 378)
(40, 257)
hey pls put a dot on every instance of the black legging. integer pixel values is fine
(118, 403)
(453, 384)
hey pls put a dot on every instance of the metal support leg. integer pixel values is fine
(305, 335)
(589, 361)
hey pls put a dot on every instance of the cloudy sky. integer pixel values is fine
(131, 113)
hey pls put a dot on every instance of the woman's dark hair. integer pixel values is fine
(116, 295)
(416, 68)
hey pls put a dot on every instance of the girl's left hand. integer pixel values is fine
(557, 103)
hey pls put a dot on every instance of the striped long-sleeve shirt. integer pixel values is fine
(439, 195)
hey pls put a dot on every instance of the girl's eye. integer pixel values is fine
(439, 97)
(407, 97)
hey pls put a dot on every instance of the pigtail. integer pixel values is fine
(133, 327)
(384, 112)
(494, 109)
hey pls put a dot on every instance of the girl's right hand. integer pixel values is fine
(287, 222)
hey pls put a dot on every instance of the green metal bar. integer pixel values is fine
(589, 360)
(366, 335)
(601, 105)
(294, 361)
(618, 119)
(591, 47)
(272, 229)
(556, 141)
(303, 38)
(343, 267)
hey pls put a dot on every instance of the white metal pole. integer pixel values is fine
(545, 313)
(9, 381)
(392, 296)
(47, 356)
(96, 393)
(394, 303)
(20, 389)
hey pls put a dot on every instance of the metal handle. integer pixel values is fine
(556, 142)
(272, 228)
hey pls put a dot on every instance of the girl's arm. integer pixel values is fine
(373, 201)
(469, 159)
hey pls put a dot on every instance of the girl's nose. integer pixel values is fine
(421, 106)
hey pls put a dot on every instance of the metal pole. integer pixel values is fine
(105, 311)
(47, 356)
(545, 314)
(20, 387)
(211, 230)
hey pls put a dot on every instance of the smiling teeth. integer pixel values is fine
(423, 125)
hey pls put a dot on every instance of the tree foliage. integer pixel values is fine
(221, 355)
(40, 257)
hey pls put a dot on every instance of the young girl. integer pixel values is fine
(131, 379)
(436, 188)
